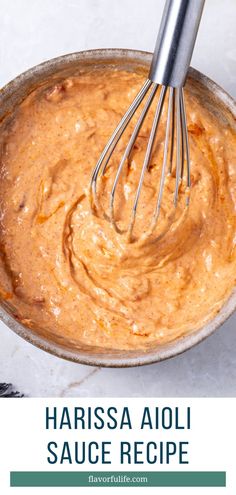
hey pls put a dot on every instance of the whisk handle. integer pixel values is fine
(175, 42)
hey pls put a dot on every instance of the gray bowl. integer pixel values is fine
(218, 102)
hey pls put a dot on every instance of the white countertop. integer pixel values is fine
(32, 31)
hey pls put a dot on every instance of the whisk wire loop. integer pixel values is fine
(147, 156)
(129, 148)
(165, 158)
(111, 144)
(186, 144)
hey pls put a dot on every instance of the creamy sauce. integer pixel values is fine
(67, 273)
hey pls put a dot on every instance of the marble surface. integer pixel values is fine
(32, 31)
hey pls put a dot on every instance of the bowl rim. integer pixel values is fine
(138, 357)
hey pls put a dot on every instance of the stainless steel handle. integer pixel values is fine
(175, 42)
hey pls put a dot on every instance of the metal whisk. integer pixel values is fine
(169, 67)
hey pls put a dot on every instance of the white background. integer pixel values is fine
(35, 30)
(212, 439)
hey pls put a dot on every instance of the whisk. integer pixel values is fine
(169, 67)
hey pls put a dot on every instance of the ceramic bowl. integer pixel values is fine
(218, 102)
